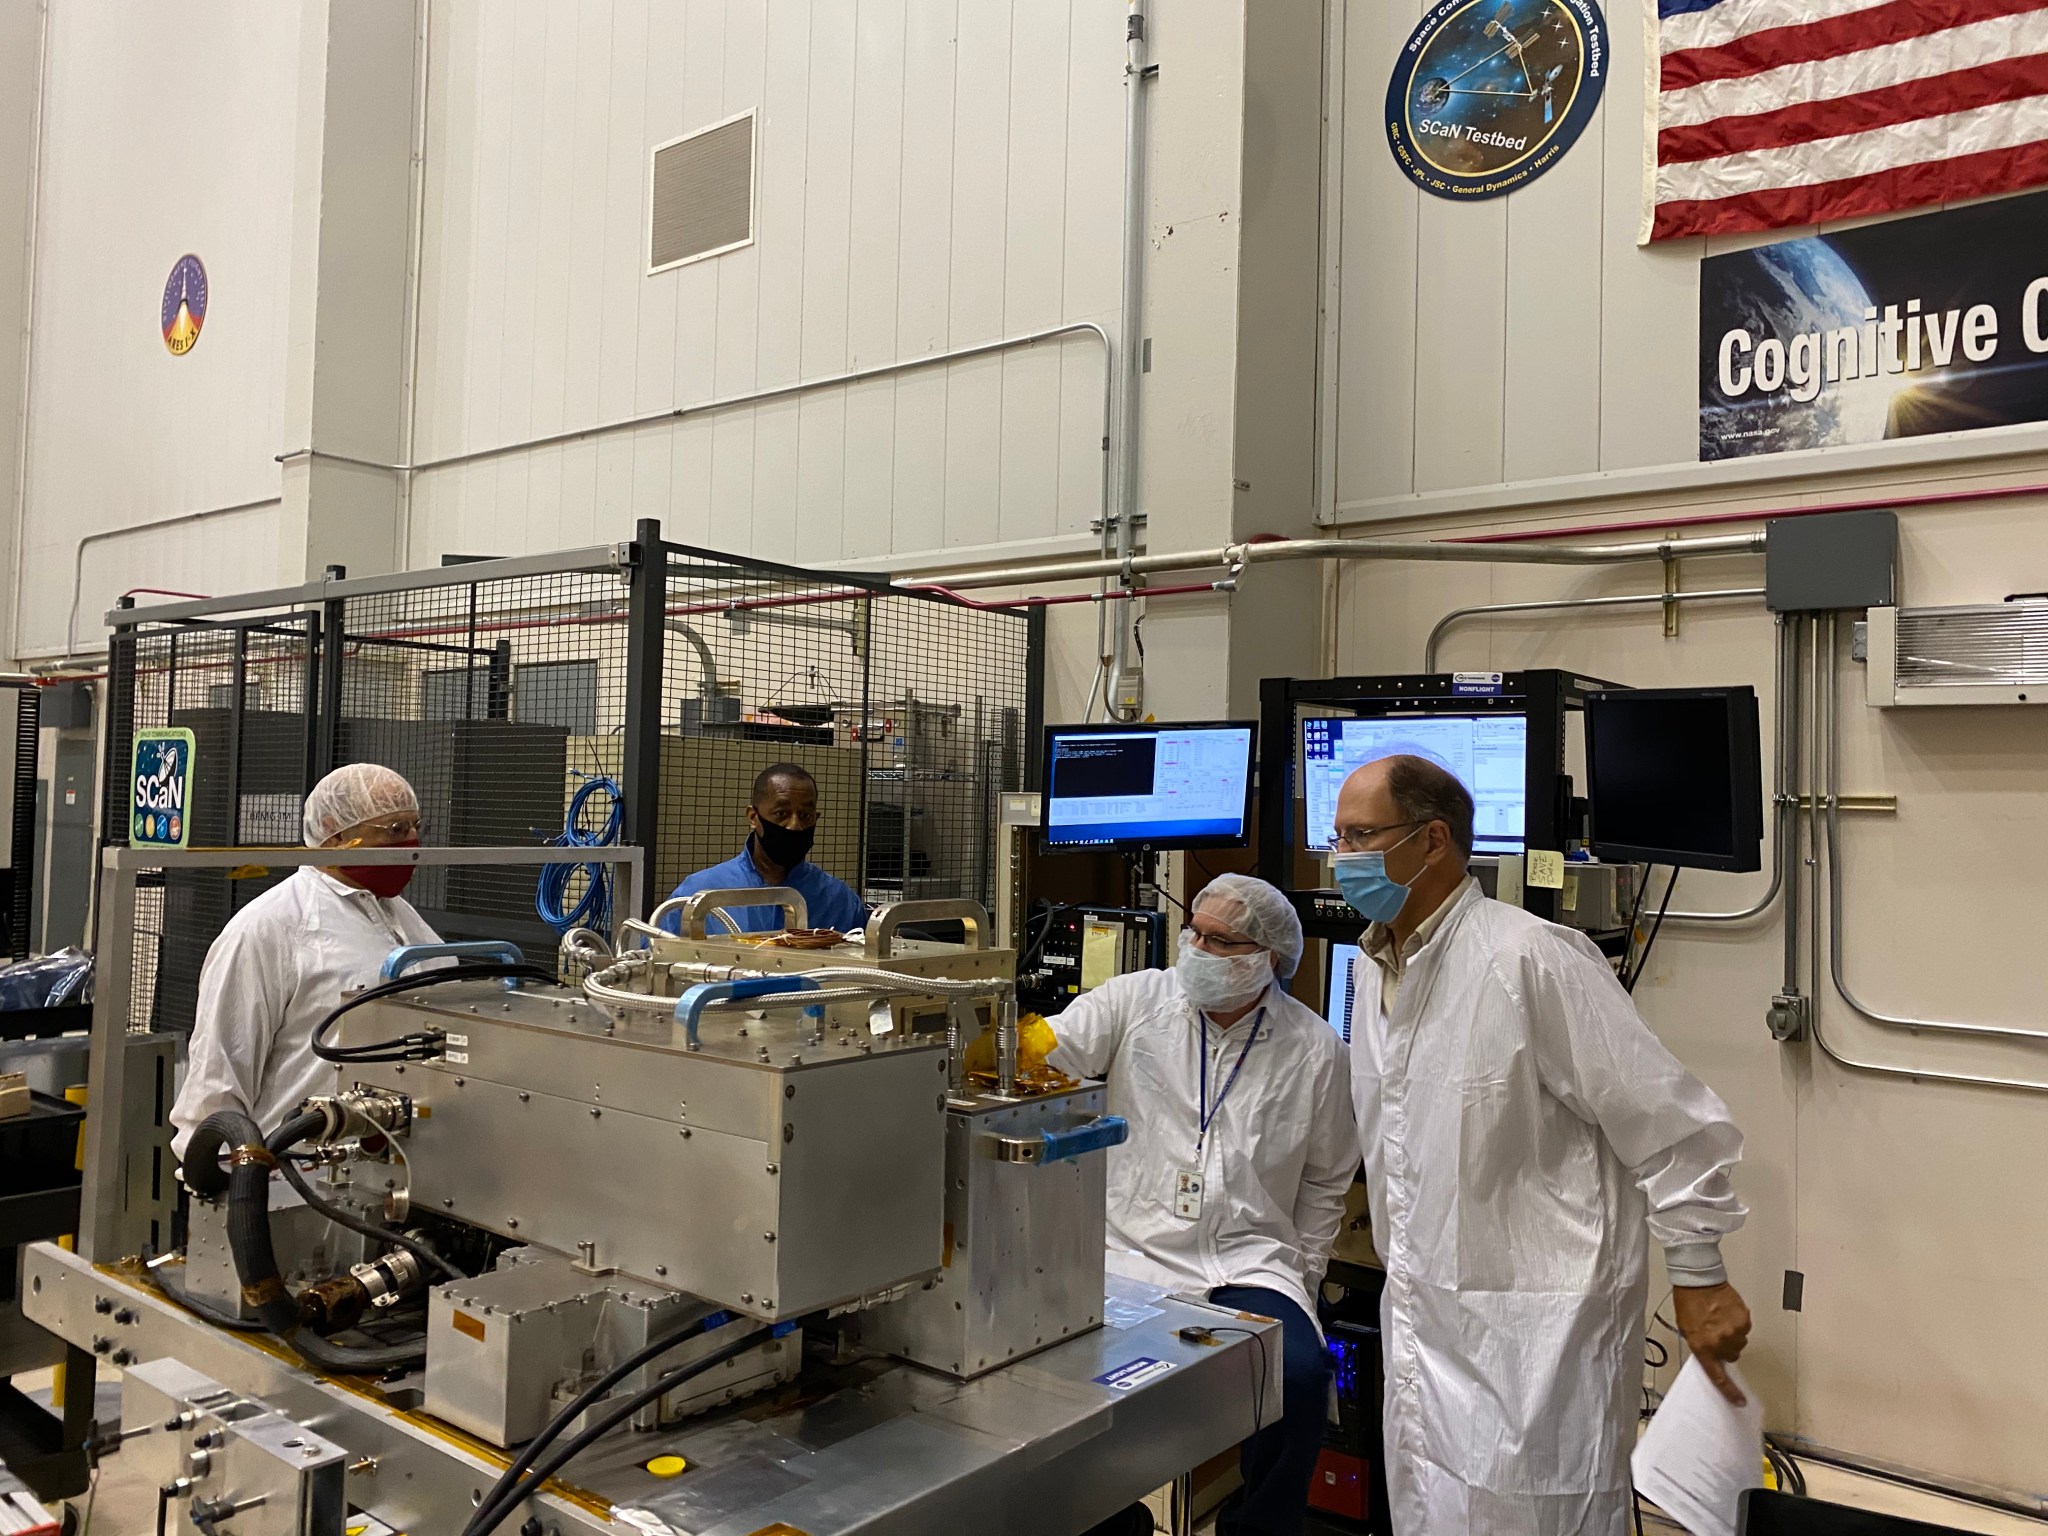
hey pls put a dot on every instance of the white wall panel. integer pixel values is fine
(141, 164)
(931, 175)
(1378, 224)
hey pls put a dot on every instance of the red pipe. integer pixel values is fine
(1707, 519)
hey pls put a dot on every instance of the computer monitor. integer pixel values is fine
(1346, 969)
(1149, 786)
(1488, 753)
(1674, 776)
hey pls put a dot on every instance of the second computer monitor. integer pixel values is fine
(1487, 753)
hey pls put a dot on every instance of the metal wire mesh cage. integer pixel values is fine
(628, 692)
(910, 710)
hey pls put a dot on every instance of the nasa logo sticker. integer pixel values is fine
(1488, 94)
(184, 307)
(160, 784)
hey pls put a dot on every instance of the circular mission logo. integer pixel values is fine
(184, 305)
(1488, 94)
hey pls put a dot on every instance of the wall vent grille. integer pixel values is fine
(1985, 653)
(701, 194)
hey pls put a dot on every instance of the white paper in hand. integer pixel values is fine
(1700, 1452)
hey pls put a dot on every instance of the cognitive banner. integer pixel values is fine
(1931, 324)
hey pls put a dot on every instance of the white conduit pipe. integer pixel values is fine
(1237, 556)
(1827, 649)
(1834, 871)
(1630, 600)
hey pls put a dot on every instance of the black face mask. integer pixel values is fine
(785, 846)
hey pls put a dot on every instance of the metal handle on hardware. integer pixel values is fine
(884, 922)
(1096, 1135)
(690, 1006)
(693, 910)
(406, 956)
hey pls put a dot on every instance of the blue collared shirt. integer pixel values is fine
(832, 902)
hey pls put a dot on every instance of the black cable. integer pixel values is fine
(1663, 1354)
(490, 1515)
(422, 1045)
(365, 1228)
(1643, 959)
(163, 1507)
(1642, 889)
(1636, 1499)
(590, 1394)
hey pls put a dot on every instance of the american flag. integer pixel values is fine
(1770, 113)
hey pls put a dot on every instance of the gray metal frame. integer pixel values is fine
(127, 1176)
(590, 557)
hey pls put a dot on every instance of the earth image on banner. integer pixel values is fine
(1782, 291)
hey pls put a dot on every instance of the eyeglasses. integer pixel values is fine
(1216, 945)
(1353, 839)
(398, 828)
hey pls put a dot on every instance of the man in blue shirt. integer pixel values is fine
(783, 821)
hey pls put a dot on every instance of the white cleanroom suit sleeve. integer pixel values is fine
(1595, 1054)
(1330, 1166)
(245, 988)
(1090, 1029)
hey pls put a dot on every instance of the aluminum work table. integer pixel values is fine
(1045, 1447)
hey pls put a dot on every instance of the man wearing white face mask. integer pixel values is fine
(1241, 1149)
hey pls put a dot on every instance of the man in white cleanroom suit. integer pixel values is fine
(1521, 1127)
(280, 965)
(1241, 1149)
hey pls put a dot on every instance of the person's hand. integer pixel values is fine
(1715, 1322)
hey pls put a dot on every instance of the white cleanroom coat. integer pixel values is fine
(278, 968)
(1280, 1153)
(1521, 1130)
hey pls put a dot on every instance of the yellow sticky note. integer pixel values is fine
(1098, 954)
(1546, 870)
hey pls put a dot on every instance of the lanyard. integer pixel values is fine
(1209, 1111)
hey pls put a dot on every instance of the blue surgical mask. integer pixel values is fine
(1374, 894)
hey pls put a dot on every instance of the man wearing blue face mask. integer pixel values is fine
(1522, 1131)
(1241, 1150)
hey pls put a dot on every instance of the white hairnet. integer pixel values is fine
(353, 794)
(1258, 912)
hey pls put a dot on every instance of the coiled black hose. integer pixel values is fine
(263, 1288)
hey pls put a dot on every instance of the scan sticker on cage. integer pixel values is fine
(1134, 1373)
(1187, 1193)
(1473, 684)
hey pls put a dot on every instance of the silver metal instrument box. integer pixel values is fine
(506, 1350)
(1024, 1243)
(767, 1168)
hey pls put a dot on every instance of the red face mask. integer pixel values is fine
(386, 880)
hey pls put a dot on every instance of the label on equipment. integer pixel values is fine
(460, 1042)
(464, 1323)
(1469, 684)
(456, 1058)
(1135, 1373)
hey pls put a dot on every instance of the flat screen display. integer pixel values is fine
(1159, 786)
(1488, 753)
(1348, 968)
(1674, 777)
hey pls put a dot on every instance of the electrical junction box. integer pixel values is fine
(1831, 561)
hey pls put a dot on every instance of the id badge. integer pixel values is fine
(1187, 1193)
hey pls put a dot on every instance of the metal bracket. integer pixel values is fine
(1096, 1135)
(1671, 604)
